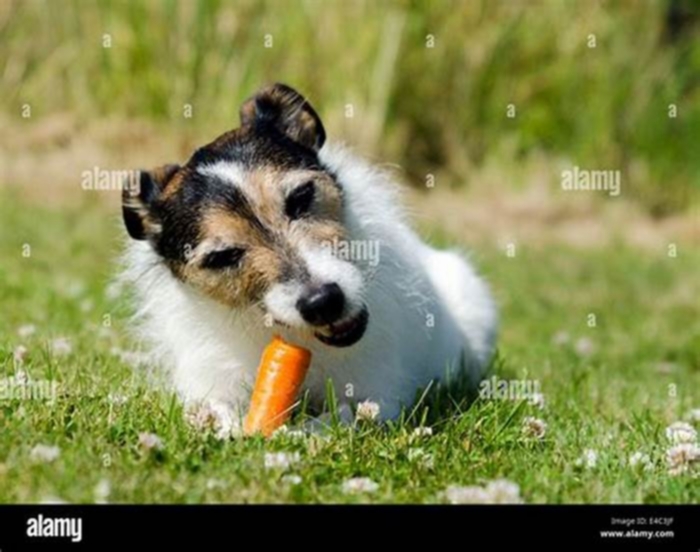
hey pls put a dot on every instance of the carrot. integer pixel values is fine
(282, 370)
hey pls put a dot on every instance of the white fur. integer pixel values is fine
(427, 309)
(281, 303)
(230, 172)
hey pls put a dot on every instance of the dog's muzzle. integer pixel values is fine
(345, 332)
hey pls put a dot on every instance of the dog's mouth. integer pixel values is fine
(345, 332)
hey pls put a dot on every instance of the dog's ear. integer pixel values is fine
(283, 108)
(138, 197)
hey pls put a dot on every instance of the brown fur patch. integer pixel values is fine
(259, 268)
(163, 174)
(173, 185)
(230, 228)
(270, 240)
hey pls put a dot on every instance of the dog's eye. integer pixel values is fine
(300, 200)
(226, 258)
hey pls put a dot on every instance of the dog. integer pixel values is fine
(266, 230)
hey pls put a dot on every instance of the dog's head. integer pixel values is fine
(249, 218)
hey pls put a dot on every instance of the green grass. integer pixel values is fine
(642, 373)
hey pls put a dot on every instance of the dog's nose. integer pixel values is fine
(322, 305)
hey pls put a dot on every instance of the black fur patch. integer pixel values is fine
(284, 134)
(257, 148)
(226, 258)
(281, 108)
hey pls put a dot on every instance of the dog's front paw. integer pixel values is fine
(215, 416)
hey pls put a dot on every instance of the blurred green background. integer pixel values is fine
(428, 84)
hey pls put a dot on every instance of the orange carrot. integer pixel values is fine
(282, 370)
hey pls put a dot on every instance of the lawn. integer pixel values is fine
(611, 336)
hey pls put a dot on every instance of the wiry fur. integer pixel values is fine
(428, 311)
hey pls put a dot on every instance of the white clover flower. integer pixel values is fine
(422, 431)
(640, 460)
(44, 453)
(61, 346)
(367, 411)
(213, 416)
(584, 347)
(213, 483)
(466, 495)
(534, 428)
(281, 431)
(284, 431)
(291, 479)
(681, 432)
(694, 415)
(499, 491)
(421, 458)
(102, 491)
(682, 457)
(150, 441)
(589, 459)
(19, 354)
(201, 415)
(26, 330)
(359, 485)
(503, 491)
(281, 460)
(117, 399)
